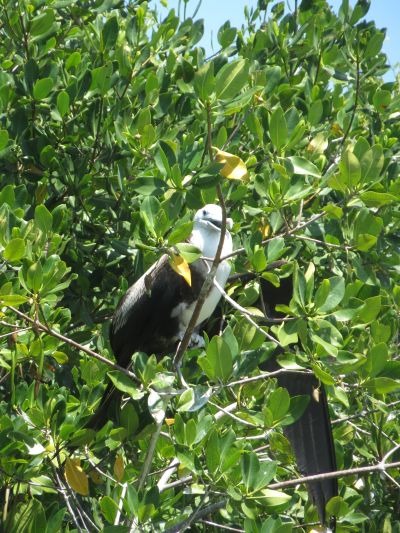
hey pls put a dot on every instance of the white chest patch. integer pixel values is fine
(184, 311)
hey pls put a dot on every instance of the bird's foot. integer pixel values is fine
(196, 341)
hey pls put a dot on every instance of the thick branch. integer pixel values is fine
(380, 467)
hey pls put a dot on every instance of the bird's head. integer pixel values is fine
(210, 216)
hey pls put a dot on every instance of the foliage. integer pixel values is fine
(106, 116)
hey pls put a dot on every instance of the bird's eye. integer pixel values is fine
(204, 212)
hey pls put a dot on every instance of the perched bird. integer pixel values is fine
(154, 313)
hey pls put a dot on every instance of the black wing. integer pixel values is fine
(143, 321)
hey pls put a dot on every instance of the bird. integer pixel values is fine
(155, 311)
(153, 315)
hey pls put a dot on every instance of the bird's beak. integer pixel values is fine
(218, 223)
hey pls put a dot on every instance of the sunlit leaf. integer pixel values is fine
(76, 477)
(119, 467)
(181, 267)
(234, 168)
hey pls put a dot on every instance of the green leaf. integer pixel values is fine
(73, 60)
(231, 79)
(226, 35)
(365, 242)
(279, 403)
(42, 88)
(42, 23)
(258, 260)
(278, 131)
(109, 508)
(372, 163)
(217, 363)
(204, 81)
(286, 332)
(35, 276)
(15, 250)
(315, 112)
(3, 139)
(382, 385)
(274, 500)
(189, 252)
(13, 299)
(190, 432)
(125, 384)
(250, 466)
(322, 375)
(109, 33)
(377, 358)
(334, 211)
(381, 99)
(374, 45)
(180, 233)
(350, 169)
(63, 103)
(298, 405)
(337, 507)
(370, 310)
(304, 167)
(43, 219)
(333, 297)
(378, 199)
(101, 78)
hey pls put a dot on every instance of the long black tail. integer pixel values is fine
(106, 409)
(311, 436)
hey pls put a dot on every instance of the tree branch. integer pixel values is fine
(380, 467)
(205, 289)
(74, 344)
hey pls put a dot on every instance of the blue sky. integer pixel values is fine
(385, 13)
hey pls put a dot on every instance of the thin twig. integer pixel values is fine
(353, 114)
(64, 493)
(149, 455)
(286, 233)
(336, 474)
(266, 375)
(221, 526)
(71, 342)
(197, 515)
(120, 504)
(234, 417)
(324, 243)
(246, 314)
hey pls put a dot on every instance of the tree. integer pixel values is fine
(108, 119)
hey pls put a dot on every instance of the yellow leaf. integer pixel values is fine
(181, 267)
(318, 144)
(265, 229)
(95, 477)
(119, 468)
(76, 477)
(170, 421)
(234, 168)
(336, 129)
